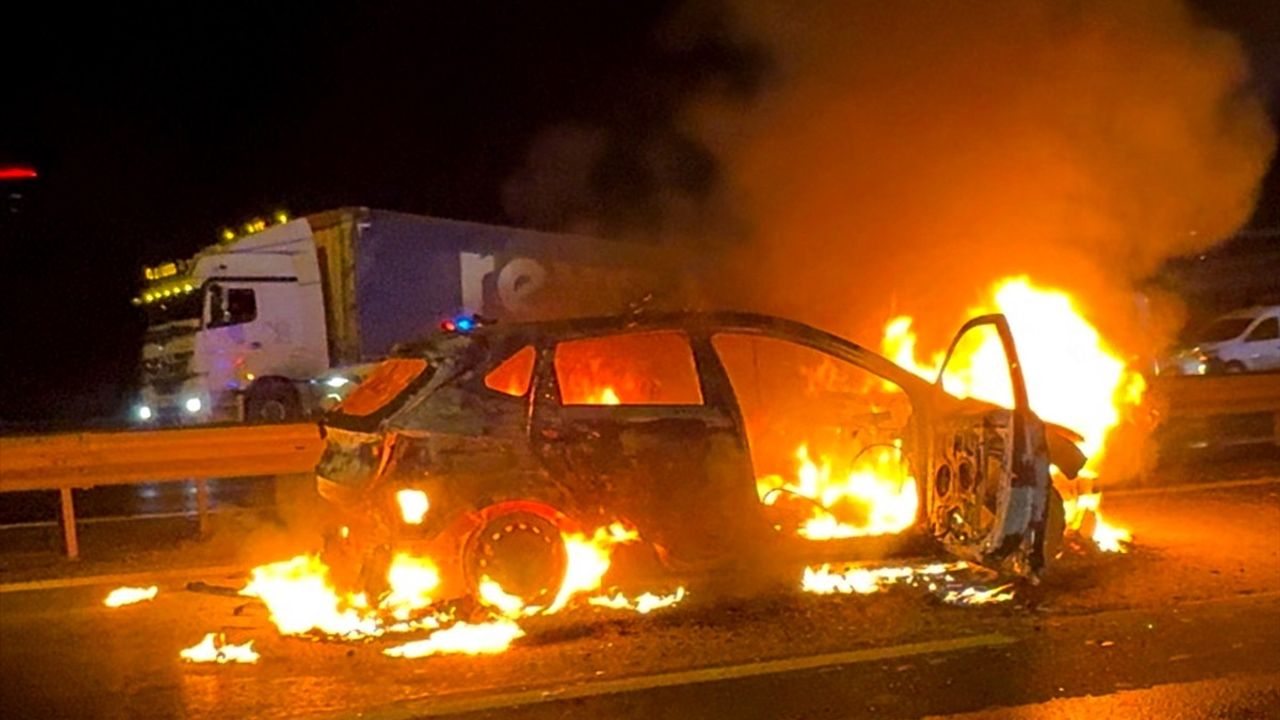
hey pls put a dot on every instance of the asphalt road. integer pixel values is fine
(1185, 626)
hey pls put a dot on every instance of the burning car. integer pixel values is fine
(720, 441)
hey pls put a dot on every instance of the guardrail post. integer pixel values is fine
(71, 543)
(202, 505)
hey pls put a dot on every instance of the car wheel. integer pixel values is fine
(1235, 367)
(272, 401)
(520, 551)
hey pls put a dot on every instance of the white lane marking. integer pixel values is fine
(593, 688)
(1191, 487)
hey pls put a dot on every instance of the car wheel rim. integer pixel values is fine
(523, 553)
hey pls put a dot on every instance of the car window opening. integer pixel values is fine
(382, 386)
(514, 375)
(826, 439)
(655, 368)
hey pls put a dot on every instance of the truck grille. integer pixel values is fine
(167, 372)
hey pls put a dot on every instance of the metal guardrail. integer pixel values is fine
(68, 461)
(1204, 400)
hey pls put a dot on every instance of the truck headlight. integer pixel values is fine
(413, 505)
(193, 405)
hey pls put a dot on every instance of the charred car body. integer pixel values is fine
(481, 448)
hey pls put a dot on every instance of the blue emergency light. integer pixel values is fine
(462, 324)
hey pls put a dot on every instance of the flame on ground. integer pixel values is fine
(644, 604)
(215, 648)
(865, 580)
(975, 595)
(1083, 513)
(876, 496)
(1074, 377)
(300, 597)
(937, 578)
(465, 638)
(130, 595)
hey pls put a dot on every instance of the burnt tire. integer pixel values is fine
(521, 551)
(272, 401)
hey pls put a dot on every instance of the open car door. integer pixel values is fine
(988, 499)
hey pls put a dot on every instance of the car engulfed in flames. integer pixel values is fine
(528, 460)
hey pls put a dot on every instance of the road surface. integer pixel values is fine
(1185, 626)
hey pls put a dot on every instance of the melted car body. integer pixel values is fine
(508, 436)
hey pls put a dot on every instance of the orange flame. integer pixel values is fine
(129, 595)
(589, 560)
(937, 578)
(876, 496)
(864, 580)
(644, 604)
(511, 606)
(464, 638)
(413, 505)
(215, 648)
(301, 598)
(1074, 377)
(1082, 513)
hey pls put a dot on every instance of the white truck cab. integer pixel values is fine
(1246, 340)
(238, 333)
(278, 323)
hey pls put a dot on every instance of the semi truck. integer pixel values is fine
(274, 323)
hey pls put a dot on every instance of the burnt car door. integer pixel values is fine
(987, 501)
(626, 422)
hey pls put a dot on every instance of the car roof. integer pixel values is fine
(698, 323)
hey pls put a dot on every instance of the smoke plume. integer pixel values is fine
(903, 156)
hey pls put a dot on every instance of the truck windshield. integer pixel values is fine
(185, 306)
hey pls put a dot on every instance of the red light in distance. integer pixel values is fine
(16, 172)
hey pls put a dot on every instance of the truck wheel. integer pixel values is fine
(272, 401)
(522, 552)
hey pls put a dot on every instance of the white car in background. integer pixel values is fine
(1246, 340)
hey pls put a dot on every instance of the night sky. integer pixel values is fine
(150, 132)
